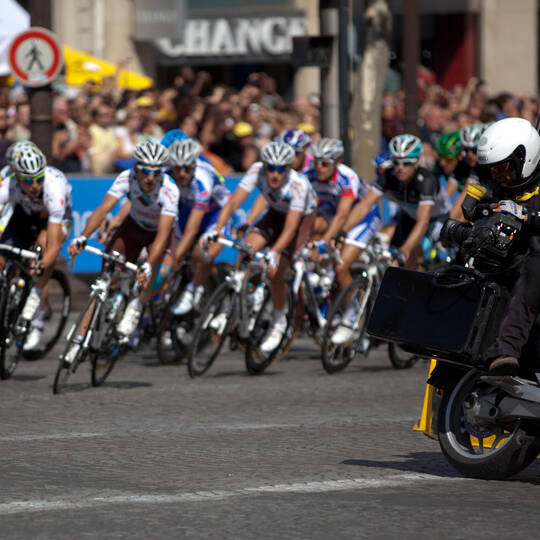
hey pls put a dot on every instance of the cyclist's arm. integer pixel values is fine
(361, 210)
(99, 214)
(343, 210)
(257, 209)
(451, 187)
(238, 197)
(160, 241)
(55, 238)
(423, 215)
(292, 222)
(122, 214)
(190, 233)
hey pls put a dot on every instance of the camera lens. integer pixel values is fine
(455, 232)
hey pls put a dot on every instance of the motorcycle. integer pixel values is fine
(488, 426)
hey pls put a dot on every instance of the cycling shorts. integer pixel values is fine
(406, 223)
(23, 229)
(129, 239)
(271, 224)
(366, 229)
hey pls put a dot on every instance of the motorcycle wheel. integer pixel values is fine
(479, 449)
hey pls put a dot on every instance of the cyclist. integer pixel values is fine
(285, 227)
(467, 168)
(154, 204)
(299, 140)
(202, 195)
(338, 189)
(41, 200)
(423, 204)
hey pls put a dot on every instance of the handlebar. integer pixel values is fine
(242, 247)
(23, 253)
(114, 256)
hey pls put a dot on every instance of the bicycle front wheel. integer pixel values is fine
(212, 330)
(336, 356)
(104, 359)
(54, 313)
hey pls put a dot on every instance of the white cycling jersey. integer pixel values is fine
(54, 202)
(295, 194)
(146, 208)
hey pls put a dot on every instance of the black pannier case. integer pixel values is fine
(438, 315)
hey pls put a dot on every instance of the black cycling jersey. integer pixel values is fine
(424, 188)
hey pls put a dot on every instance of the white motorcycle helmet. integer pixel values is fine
(510, 150)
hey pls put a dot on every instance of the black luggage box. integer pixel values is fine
(438, 315)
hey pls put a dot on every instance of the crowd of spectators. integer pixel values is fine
(96, 127)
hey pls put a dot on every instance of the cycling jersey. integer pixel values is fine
(295, 194)
(5, 171)
(424, 188)
(345, 183)
(146, 208)
(207, 192)
(54, 203)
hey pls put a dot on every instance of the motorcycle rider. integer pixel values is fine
(510, 151)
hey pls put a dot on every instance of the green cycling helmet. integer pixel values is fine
(449, 145)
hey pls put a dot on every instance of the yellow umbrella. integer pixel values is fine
(80, 66)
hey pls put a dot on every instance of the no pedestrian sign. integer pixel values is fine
(35, 57)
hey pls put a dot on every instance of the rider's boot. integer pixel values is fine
(504, 366)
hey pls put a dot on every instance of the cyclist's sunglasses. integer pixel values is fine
(324, 162)
(149, 170)
(31, 180)
(187, 168)
(398, 162)
(276, 168)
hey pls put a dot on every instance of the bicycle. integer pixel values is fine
(15, 286)
(173, 331)
(232, 311)
(309, 296)
(367, 276)
(100, 341)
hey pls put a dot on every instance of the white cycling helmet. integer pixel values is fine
(327, 148)
(277, 153)
(510, 148)
(184, 152)
(470, 135)
(15, 149)
(29, 161)
(151, 153)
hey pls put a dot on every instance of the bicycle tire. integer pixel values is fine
(60, 310)
(336, 358)
(66, 369)
(222, 302)
(103, 360)
(9, 315)
(401, 359)
(256, 362)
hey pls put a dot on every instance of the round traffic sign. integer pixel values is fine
(35, 57)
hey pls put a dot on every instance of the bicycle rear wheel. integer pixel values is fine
(57, 308)
(336, 357)
(401, 359)
(104, 359)
(256, 361)
(211, 330)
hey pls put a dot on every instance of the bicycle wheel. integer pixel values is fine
(104, 359)
(256, 361)
(57, 308)
(335, 357)
(74, 353)
(211, 330)
(401, 359)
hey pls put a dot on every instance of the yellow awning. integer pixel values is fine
(80, 66)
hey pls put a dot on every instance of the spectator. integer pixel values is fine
(103, 140)
(5, 135)
(21, 129)
(146, 111)
(127, 136)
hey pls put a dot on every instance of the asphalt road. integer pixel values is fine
(295, 453)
